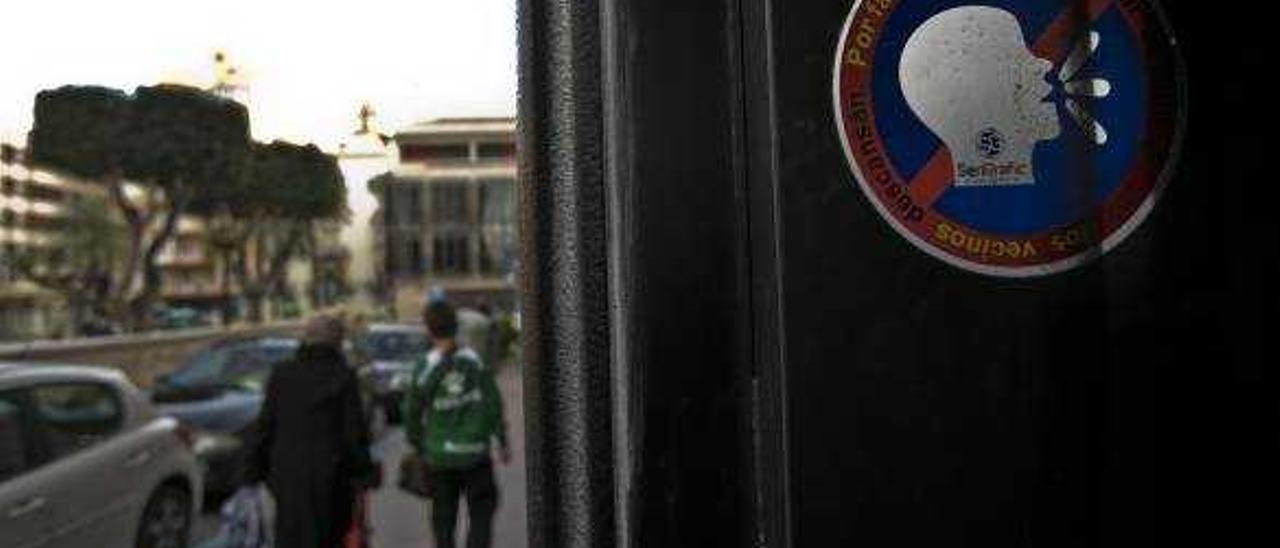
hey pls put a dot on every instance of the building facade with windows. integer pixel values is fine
(31, 209)
(191, 273)
(447, 214)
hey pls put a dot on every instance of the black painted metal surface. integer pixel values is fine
(565, 300)
(928, 406)
(679, 234)
(728, 347)
(638, 307)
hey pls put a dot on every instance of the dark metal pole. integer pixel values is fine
(565, 301)
(641, 376)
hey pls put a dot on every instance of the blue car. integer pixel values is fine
(217, 393)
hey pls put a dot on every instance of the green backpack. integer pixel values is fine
(452, 411)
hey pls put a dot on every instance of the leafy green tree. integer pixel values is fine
(288, 189)
(186, 146)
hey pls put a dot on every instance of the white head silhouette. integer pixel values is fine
(968, 75)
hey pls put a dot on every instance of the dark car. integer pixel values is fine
(179, 318)
(218, 393)
(386, 354)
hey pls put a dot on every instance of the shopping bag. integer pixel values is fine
(415, 475)
(358, 533)
(246, 521)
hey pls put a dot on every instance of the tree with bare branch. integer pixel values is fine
(179, 144)
(288, 189)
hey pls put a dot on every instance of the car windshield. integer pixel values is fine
(241, 365)
(393, 345)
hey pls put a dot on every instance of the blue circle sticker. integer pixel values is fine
(1012, 138)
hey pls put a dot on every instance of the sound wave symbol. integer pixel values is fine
(1078, 89)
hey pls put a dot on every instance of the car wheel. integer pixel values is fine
(166, 521)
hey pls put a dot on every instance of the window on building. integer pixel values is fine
(8, 154)
(498, 201)
(451, 253)
(492, 151)
(488, 264)
(389, 211)
(416, 263)
(188, 249)
(404, 254)
(435, 153)
(498, 233)
(392, 254)
(413, 205)
(8, 185)
(43, 222)
(44, 193)
(395, 206)
(448, 203)
(402, 205)
(498, 250)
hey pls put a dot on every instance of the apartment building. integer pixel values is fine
(32, 208)
(447, 213)
(35, 209)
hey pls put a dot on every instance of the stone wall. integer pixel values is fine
(141, 357)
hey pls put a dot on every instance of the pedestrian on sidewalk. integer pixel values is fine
(453, 417)
(311, 442)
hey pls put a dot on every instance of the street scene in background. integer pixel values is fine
(183, 202)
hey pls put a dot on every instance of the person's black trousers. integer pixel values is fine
(448, 487)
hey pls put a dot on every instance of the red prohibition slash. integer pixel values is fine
(910, 205)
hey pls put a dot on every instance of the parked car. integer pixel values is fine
(385, 355)
(218, 393)
(180, 318)
(86, 461)
(98, 326)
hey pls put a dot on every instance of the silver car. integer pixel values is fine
(85, 461)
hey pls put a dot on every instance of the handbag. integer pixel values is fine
(415, 475)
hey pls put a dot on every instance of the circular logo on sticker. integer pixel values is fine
(1011, 138)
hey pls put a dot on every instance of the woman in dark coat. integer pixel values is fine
(311, 444)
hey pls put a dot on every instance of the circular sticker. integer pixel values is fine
(1012, 138)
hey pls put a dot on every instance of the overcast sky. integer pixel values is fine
(309, 64)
